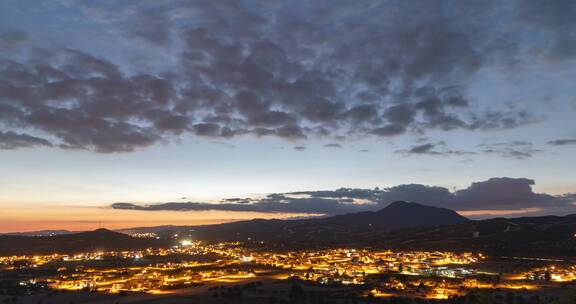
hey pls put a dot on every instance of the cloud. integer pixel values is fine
(13, 37)
(206, 129)
(562, 142)
(333, 145)
(506, 193)
(300, 148)
(422, 149)
(557, 20)
(437, 149)
(512, 149)
(10, 140)
(268, 205)
(495, 194)
(294, 70)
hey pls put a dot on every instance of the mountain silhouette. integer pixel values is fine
(401, 225)
(335, 229)
(400, 214)
(90, 241)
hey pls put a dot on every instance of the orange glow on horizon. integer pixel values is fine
(474, 213)
(35, 218)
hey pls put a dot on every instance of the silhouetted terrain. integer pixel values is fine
(98, 240)
(41, 233)
(401, 225)
(527, 236)
(410, 226)
(399, 215)
(339, 229)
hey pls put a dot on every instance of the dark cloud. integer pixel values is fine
(389, 130)
(291, 132)
(154, 26)
(362, 113)
(402, 114)
(501, 193)
(206, 129)
(13, 37)
(269, 205)
(491, 120)
(556, 18)
(512, 149)
(438, 148)
(10, 140)
(236, 200)
(333, 145)
(422, 149)
(505, 193)
(562, 142)
(295, 70)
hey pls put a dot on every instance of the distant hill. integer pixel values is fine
(400, 225)
(40, 233)
(543, 236)
(400, 215)
(336, 229)
(91, 241)
(546, 236)
(404, 225)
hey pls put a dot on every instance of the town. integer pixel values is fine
(191, 264)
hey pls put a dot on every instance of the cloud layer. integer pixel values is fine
(291, 69)
(562, 142)
(495, 194)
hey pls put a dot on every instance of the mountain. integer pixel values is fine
(401, 225)
(407, 226)
(394, 228)
(544, 236)
(340, 229)
(41, 233)
(400, 215)
(91, 241)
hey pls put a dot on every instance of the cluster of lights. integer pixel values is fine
(423, 272)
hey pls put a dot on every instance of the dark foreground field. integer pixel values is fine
(293, 292)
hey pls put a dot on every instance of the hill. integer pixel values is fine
(91, 241)
(404, 225)
(339, 229)
(399, 215)
(544, 236)
(401, 225)
(41, 233)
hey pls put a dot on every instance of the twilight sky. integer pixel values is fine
(136, 113)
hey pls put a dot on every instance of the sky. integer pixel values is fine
(124, 113)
